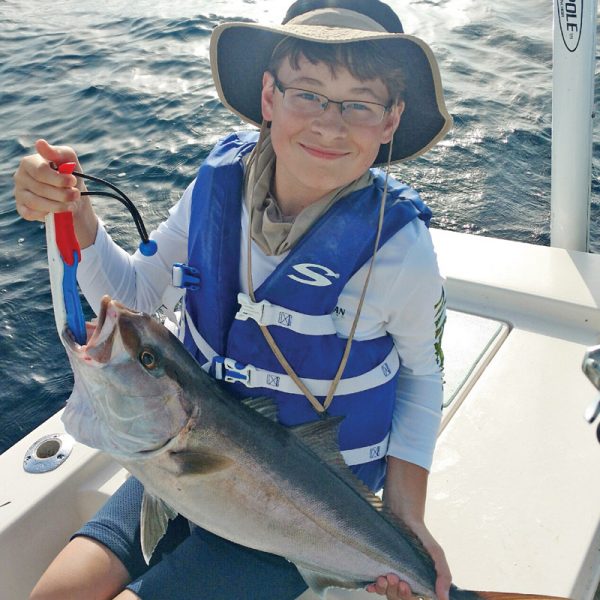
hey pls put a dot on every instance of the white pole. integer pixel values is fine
(572, 117)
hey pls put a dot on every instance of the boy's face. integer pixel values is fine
(317, 154)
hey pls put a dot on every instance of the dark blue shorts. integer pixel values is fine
(188, 564)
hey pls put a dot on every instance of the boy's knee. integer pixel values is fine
(40, 593)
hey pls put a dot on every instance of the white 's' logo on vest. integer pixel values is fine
(313, 274)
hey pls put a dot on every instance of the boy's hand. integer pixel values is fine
(41, 190)
(394, 589)
(391, 587)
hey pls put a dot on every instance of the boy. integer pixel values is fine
(292, 218)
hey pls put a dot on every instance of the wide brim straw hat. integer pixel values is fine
(240, 53)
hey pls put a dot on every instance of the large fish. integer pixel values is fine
(228, 466)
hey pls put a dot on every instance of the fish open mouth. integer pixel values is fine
(100, 333)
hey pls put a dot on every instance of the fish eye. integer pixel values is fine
(148, 359)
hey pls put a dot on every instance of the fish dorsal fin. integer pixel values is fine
(154, 520)
(322, 438)
(263, 405)
(319, 582)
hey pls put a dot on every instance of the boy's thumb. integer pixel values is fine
(56, 154)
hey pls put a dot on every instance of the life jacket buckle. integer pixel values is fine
(227, 369)
(184, 276)
(251, 310)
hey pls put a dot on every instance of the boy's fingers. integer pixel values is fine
(391, 587)
(29, 214)
(58, 192)
(57, 154)
(34, 208)
(442, 587)
(35, 170)
(379, 586)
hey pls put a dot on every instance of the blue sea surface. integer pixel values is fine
(129, 86)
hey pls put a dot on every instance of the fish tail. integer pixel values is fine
(459, 594)
(515, 596)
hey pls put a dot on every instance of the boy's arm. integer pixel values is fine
(136, 280)
(404, 493)
(417, 312)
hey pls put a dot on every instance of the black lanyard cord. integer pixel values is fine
(137, 219)
(121, 197)
(147, 247)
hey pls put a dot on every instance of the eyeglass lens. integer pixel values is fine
(354, 112)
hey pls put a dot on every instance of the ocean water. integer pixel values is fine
(129, 86)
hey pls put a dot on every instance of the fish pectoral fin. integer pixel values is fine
(515, 596)
(199, 461)
(154, 520)
(320, 581)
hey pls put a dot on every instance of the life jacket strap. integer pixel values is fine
(202, 345)
(359, 456)
(227, 369)
(265, 313)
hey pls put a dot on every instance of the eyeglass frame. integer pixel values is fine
(283, 89)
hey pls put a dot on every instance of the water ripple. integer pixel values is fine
(129, 86)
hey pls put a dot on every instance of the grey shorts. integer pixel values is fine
(189, 563)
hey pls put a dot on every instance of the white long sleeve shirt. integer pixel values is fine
(403, 299)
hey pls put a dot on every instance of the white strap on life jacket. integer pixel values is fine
(170, 299)
(265, 313)
(231, 371)
(358, 456)
(173, 318)
(201, 343)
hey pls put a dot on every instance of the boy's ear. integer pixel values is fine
(392, 122)
(266, 97)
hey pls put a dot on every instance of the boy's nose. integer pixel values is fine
(331, 117)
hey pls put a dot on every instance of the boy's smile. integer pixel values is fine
(318, 154)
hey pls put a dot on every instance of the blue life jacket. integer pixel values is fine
(300, 294)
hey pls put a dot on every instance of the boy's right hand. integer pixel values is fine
(40, 190)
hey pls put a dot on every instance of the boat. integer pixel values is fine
(514, 492)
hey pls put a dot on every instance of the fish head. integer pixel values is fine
(129, 393)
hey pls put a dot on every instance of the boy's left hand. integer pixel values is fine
(393, 588)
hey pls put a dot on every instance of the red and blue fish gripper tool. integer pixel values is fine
(70, 253)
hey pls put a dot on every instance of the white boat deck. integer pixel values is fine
(514, 496)
(514, 491)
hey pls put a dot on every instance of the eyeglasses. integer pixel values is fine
(311, 104)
